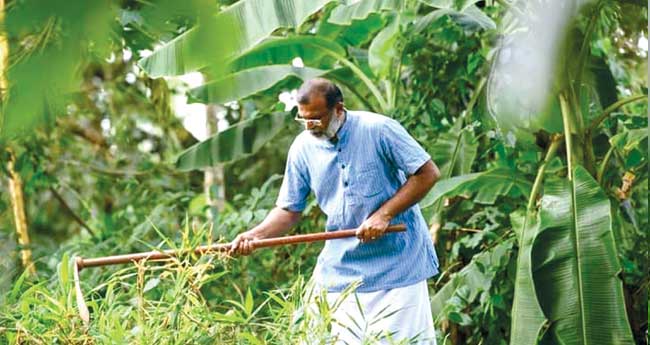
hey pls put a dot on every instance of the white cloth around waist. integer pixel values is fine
(396, 316)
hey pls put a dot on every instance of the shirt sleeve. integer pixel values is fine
(295, 184)
(401, 149)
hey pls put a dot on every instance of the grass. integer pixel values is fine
(170, 302)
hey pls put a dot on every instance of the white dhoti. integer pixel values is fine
(396, 316)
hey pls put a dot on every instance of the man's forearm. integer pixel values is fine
(415, 188)
(276, 223)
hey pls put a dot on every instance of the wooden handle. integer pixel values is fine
(222, 247)
(321, 236)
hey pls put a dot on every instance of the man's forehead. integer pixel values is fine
(317, 99)
(316, 106)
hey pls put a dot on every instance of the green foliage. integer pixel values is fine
(573, 268)
(242, 139)
(197, 48)
(98, 181)
(248, 82)
(345, 14)
(488, 185)
(43, 74)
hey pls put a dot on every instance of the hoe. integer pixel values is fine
(81, 263)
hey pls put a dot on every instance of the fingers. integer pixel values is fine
(247, 247)
(367, 234)
(242, 245)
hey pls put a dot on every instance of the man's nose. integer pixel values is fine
(310, 125)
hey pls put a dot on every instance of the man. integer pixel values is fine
(366, 173)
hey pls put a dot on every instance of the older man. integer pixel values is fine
(366, 172)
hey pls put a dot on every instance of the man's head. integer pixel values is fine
(320, 99)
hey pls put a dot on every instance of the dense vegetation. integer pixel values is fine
(539, 128)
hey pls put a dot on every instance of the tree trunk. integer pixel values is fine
(18, 207)
(215, 192)
(15, 182)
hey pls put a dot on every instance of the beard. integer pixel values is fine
(335, 124)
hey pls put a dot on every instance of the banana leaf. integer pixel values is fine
(248, 82)
(314, 51)
(452, 4)
(575, 265)
(470, 18)
(382, 50)
(487, 186)
(345, 14)
(236, 142)
(355, 34)
(527, 318)
(228, 36)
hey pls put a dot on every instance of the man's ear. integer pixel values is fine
(339, 107)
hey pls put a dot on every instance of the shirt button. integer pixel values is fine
(339, 149)
(345, 183)
(342, 166)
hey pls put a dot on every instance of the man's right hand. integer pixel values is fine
(242, 244)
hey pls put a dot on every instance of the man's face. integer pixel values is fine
(316, 109)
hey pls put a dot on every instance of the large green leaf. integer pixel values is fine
(474, 278)
(248, 82)
(49, 45)
(276, 51)
(198, 48)
(527, 317)
(345, 14)
(451, 4)
(382, 50)
(487, 185)
(355, 34)
(575, 265)
(234, 143)
(471, 18)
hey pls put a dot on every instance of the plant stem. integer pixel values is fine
(564, 105)
(537, 185)
(474, 99)
(603, 164)
(72, 214)
(611, 109)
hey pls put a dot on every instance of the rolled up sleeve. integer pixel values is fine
(401, 149)
(295, 184)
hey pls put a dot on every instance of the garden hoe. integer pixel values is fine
(80, 263)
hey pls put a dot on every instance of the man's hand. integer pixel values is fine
(373, 228)
(276, 223)
(242, 245)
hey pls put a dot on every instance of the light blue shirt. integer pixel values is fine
(351, 179)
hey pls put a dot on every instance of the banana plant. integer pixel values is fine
(566, 280)
(260, 63)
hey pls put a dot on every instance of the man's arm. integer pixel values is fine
(276, 223)
(415, 188)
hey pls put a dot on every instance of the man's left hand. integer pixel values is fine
(373, 228)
